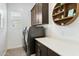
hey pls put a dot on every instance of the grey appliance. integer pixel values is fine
(35, 31)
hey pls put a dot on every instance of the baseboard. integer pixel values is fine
(19, 46)
(9, 49)
(14, 47)
(4, 53)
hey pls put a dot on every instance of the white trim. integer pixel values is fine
(10, 48)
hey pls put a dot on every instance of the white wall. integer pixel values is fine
(19, 16)
(69, 32)
(3, 28)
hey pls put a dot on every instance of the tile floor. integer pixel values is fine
(16, 52)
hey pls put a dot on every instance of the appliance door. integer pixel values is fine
(33, 33)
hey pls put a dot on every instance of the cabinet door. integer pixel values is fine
(37, 13)
(52, 53)
(33, 16)
(40, 13)
(37, 49)
(45, 13)
(43, 51)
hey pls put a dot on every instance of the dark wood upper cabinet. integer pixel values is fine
(39, 14)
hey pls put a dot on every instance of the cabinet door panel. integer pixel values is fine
(33, 16)
(40, 13)
(43, 51)
(45, 13)
(37, 50)
(37, 13)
